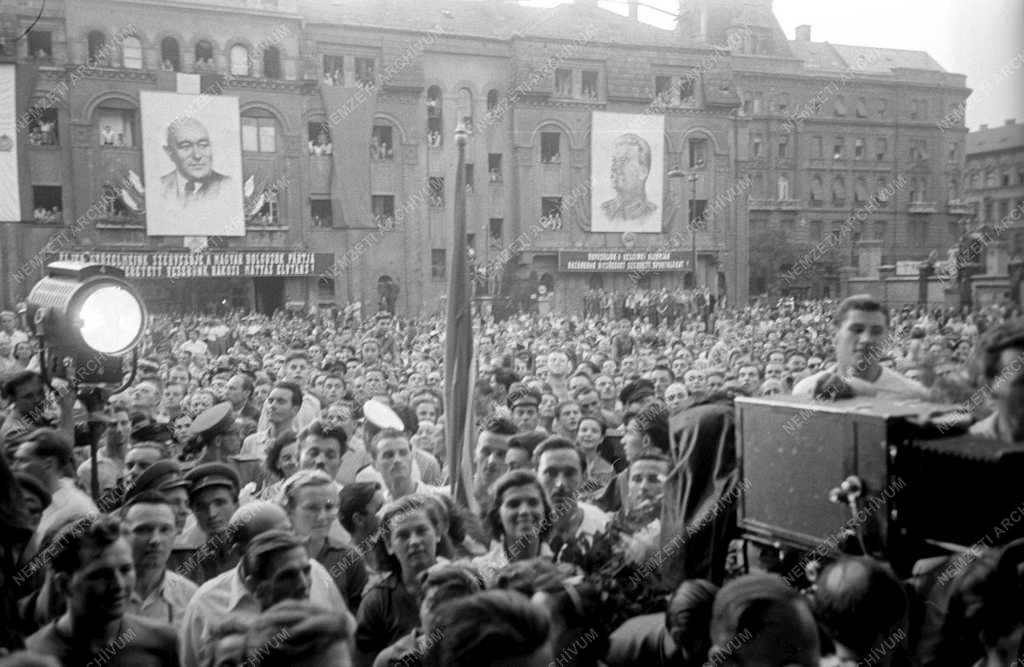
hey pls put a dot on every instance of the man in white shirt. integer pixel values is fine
(862, 326)
(228, 594)
(561, 467)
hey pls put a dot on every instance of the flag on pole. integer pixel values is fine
(458, 358)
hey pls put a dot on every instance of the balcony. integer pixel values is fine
(921, 207)
(789, 204)
(761, 204)
(960, 207)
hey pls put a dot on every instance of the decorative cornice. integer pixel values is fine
(279, 85)
(108, 74)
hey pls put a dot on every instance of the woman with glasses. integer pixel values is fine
(281, 463)
(311, 499)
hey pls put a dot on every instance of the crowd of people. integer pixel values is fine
(278, 490)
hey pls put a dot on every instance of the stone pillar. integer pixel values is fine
(997, 258)
(870, 257)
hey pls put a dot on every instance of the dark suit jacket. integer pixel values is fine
(211, 189)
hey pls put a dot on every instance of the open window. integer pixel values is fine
(47, 204)
(117, 125)
(170, 55)
(321, 213)
(382, 145)
(550, 147)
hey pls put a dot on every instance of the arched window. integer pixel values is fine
(783, 187)
(435, 126)
(259, 131)
(466, 108)
(204, 55)
(838, 189)
(132, 52)
(271, 63)
(238, 60)
(117, 124)
(170, 55)
(492, 100)
(98, 48)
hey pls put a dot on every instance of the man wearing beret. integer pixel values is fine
(637, 395)
(203, 551)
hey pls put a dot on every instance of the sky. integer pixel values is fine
(983, 39)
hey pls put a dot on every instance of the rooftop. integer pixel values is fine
(1005, 137)
(869, 59)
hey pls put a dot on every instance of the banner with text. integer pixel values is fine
(626, 262)
(247, 264)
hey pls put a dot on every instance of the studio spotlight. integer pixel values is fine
(88, 319)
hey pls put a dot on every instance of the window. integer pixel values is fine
(839, 108)
(492, 100)
(382, 146)
(319, 138)
(696, 210)
(1004, 210)
(882, 191)
(952, 152)
(494, 167)
(987, 212)
(496, 232)
(320, 212)
(816, 147)
(325, 290)
(436, 186)
(687, 88)
(204, 56)
(838, 147)
(860, 191)
(748, 104)
(132, 52)
(838, 190)
(43, 127)
(883, 107)
(758, 187)
(817, 191)
(815, 230)
(438, 264)
(465, 109)
(40, 45)
(1020, 177)
(334, 70)
(469, 176)
(783, 189)
(114, 206)
(663, 89)
(915, 109)
(259, 134)
(880, 230)
(588, 84)
(1006, 179)
(858, 149)
(267, 214)
(783, 147)
(758, 102)
(918, 232)
(434, 120)
(550, 145)
(170, 55)
(365, 73)
(271, 63)
(116, 127)
(383, 211)
(563, 82)
(881, 148)
(991, 179)
(698, 152)
(238, 60)
(551, 213)
(98, 49)
(783, 103)
(755, 146)
(47, 204)
(862, 108)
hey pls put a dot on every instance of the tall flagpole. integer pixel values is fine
(458, 360)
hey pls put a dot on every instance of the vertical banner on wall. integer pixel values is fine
(627, 172)
(10, 188)
(192, 156)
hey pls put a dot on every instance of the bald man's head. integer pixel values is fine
(254, 518)
(188, 146)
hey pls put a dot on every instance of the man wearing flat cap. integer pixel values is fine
(524, 402)
(637, 395)
(999, 366)
(203, 551)
(165, 477)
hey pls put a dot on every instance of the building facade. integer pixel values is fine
(994, 182)
(347, 113)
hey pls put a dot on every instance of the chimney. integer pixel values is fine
(634, 9)
(803, 33)
(983, 126)
(1010, 122)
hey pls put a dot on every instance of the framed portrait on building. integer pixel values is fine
(627, 172)
(192, 159)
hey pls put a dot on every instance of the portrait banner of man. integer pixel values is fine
(627, 172)
(192, 158)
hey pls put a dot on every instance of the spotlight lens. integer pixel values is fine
(111, 319)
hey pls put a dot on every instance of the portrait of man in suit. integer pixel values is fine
(194, 178)
(630, 167)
